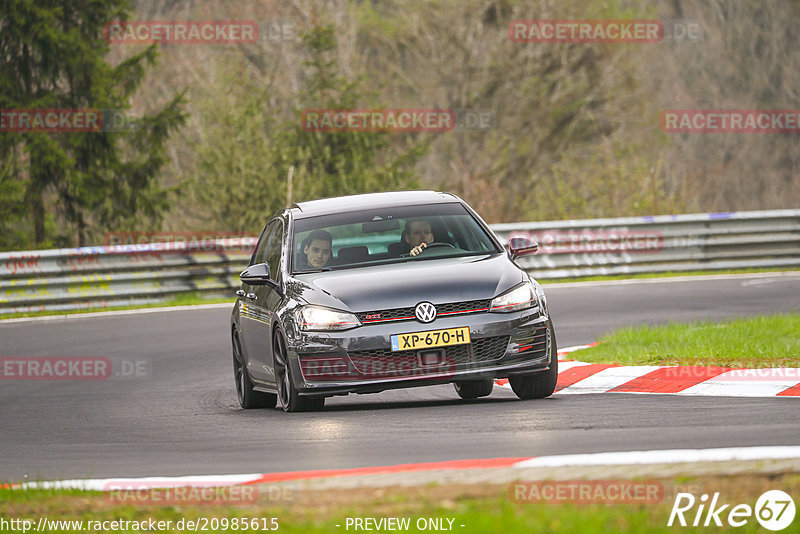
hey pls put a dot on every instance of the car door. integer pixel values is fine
(271, 296)
(254, 321)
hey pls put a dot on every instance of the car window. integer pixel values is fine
(274, 247)
(261, 247)
(360, 238)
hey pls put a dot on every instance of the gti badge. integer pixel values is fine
(425, 312)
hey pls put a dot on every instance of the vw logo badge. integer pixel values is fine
(425, 312)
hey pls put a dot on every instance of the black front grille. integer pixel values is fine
(469, 306)
(405, 314)
(489, 348)
(384, 362)
(386, 315)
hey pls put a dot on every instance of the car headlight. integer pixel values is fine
(521, 297)
(318, 319)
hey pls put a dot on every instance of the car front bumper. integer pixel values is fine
(360, 360)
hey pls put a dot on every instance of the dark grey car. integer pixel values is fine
(377, 315)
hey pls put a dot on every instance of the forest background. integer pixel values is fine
(574, 133)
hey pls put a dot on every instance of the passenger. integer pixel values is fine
(316, 250)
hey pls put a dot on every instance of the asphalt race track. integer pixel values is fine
(182, 417)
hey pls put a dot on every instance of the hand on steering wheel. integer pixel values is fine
(418, 249)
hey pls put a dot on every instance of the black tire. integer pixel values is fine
(472, 389)
(287, 393)
(248, 397)
(539, 385)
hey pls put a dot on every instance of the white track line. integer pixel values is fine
(109, 484)
(567, 350)
(89, 315)
(629, 281)
(668, 279)
(567, 460)
(564, 365)
(664, 456)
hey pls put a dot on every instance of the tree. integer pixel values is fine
(237, 183)
(249, 142)
(338, 163)
(552, 103)
(746, 58)
(53, 55)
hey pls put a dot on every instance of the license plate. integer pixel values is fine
(431, 338)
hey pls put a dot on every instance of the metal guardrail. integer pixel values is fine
(104, 276)
(666, 243)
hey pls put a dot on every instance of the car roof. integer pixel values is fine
(327, 206)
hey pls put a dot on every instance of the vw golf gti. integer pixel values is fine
(366, 293)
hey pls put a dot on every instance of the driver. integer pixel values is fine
(417, 235)
(316, 249)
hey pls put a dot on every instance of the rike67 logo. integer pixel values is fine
(774, 510)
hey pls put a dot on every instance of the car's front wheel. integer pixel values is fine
(472, 389)
(248, 397)
(291, 401)
(539, 385)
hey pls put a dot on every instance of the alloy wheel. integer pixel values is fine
(282, 378)
(238, 369)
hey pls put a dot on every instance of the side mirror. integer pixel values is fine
(256, 275)
(522, 246)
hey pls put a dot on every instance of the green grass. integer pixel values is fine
(763, 341)
(480, 508)
(669, 274)
(185, 299)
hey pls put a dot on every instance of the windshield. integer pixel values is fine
(378, 236)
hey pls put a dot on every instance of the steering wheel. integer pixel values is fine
(435, 244)
(438, 244)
